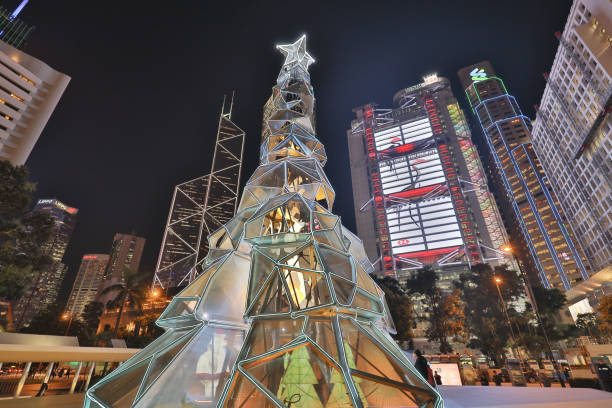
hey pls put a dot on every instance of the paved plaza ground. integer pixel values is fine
(524, 397)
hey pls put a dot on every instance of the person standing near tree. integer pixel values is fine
(420, 363)
(423, 368)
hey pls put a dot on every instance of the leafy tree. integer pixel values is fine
(605, 313)
(130, 290)
(91, 315)
(588, 324)
(485, 317)
(550, 302)
(400, 307)
(444, 312)
(50, 321)
(22, 233)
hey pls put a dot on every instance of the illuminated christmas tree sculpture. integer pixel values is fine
(285, 314)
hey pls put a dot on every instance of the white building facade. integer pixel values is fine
(572, 133)
(29, 93)
(86, 284)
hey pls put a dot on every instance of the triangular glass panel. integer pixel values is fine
(344, 290)
(301, 377)
(381, 394)
(307, 166)
(326, 221)
(199, 373)
(363, 301)
(197, 287)
(367, 355)
(160, 343)
(269, 335)
(261, 268)
(321, 332)
(272, 299)
(365, 282)
(306, 289)
(278, 251)
(305, 258)
(306, 190)
(330, 238)
(162, 360)
(254, 227)
(264, 193)
(92, 404)
(225, 298)
(274, 178)
(247, 200)
(297, 176)
(337, 263)
(246, 395)
(120, 391)
(262, 170)
(179, 307)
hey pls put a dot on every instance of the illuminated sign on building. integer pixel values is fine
(478, 74)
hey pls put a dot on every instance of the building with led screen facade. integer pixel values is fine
(45, 284)
(419, 189)
(525, 194)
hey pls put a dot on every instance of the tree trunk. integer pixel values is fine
(119, 316)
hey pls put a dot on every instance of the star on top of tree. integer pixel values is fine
(296, 53)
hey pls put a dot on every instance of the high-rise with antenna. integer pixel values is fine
(200, 206)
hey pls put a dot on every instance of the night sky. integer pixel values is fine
(140, 114)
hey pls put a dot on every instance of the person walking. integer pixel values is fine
(423, 368)
(438, 378)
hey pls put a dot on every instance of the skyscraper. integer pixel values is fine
(573, 131)
(45, 283)
(528, 202)
(126, 251)
(200, 206)
(419, 189)
(29, 92)
(87, 283)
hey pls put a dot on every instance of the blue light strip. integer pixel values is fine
(20, 7)
(566, 236)
(534, 210)
(515, 208)
(523, 117)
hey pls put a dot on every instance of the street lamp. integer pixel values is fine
(498, 281)
(534, 304)
(67, 316)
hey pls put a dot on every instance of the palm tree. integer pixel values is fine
(129, 290)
